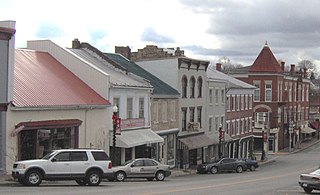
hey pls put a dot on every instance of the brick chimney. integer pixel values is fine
(179, 52)
(76, 44)
(218, 67)
(125, 51)
(282, 65)
(292, 69)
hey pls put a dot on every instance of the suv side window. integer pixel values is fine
(100, 156)
(79, 156)
(62, 156)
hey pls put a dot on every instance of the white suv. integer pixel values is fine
(85, 166)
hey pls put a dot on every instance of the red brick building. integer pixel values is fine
(279, 98)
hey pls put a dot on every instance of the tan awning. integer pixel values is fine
(137, 137)
(196, 141)
(307, 130)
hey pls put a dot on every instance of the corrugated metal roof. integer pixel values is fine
(160, 87)
(117, 77)
(41, 81)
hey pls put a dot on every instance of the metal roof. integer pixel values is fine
(160, 87)
(41, 81)
(117, 77)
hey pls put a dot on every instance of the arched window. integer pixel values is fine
(184, 84)
(192, 86)
(199, 87)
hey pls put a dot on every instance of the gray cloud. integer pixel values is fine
(149, 34)
(290, 27)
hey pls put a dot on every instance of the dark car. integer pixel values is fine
(250, 163)
(310, 181)
(223, 165)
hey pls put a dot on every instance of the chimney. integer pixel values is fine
(218, 67)
(76, 44)
(292, 69)
(305, 74)
(282, 65)
(125, 51)
(179, 52)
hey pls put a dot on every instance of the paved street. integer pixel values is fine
(279, 177)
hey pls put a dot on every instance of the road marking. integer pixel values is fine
(228, 184)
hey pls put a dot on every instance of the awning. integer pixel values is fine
(137, 137)
(307, 130)
(196, 141)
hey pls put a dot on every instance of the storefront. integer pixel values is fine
(36, 139)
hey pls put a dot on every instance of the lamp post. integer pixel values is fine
(263, 136)
(290, 133)
(114, 122)
(221, 138)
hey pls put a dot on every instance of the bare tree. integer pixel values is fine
(311, 67)
(227, 65)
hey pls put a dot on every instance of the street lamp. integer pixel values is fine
(263, 136)
(221, 138)
(290, 133)
(114, 122)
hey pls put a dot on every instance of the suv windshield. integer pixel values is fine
(49, 155)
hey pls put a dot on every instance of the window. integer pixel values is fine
(256, 91)
(184, 118)
(299, 93)
(141, 107)
(62, 156)
(184, 85)
(303, 94)
(100, 156)
(210, 124)
(129, 107)
(228, 103)
(199, 87)
(164, 111)
(191, 110)
(268, 92)
(116, 101)
(216, 123)
(280, 91)
(279, 115)
(211, 96)
(217, 96)
(222, 96)
(138, 163)
(250, 101)
(192, 85)
(150, 163)
(155, 112)
(79, 156)
(242, 102)
(290, 92)
(199, 115)
(222, 122)
(307, 93)
(173, 110)
(246, 97)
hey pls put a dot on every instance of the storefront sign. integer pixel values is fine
(132, 123)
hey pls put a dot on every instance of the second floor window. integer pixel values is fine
(268, 92)
(141, 107)
(199, 87)
(164, 111)
(222, 96)
(211, 96)
(217, 96)
(184, 119)
(191, 114)
(192, 87)
(257, 92)
(129, 107)
(199, 115)
(184, 84)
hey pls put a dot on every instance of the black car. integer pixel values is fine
(223, 165)
(250, 163)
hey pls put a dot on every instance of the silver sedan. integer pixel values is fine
(142, 168)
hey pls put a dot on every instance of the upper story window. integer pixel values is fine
(222, 96)
(250, 101)
(199, 115)
(141, 107)
(192, 87)
(116, 101)
(155, 112)
(164, 111)
(216, 96)
(256, 91)
(129, 108)
(210, 123)
(280, 91)
(191, 110)
(268, 91)
(173, 110)
(242, 101)
(184, 85)
(211, 96)
(199, 87)
(228, 103)
(307, 93)
(184, 119)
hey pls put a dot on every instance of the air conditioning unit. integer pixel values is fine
(193, 126)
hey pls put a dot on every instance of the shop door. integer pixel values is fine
(27, 144)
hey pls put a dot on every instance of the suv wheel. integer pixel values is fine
(33, 178)
(81, 182)
(160, 176)
(93, 178)
(120, 176)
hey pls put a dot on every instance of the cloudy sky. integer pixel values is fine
(205, 29)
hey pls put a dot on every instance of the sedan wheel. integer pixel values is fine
(120, 176)
(252, 168)
(239, 169)
(214, 170)
(160, 176)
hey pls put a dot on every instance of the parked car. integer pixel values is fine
(222, 165)
(85, 166)
(142, 168)
(310, 181)
(251, 164)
